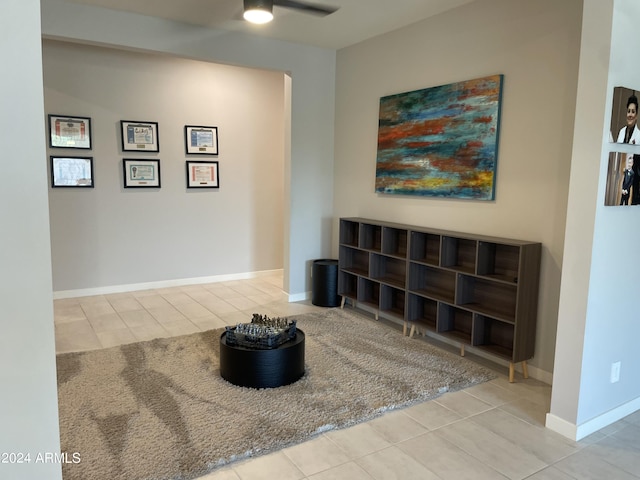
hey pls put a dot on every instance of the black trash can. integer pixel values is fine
(324, 283)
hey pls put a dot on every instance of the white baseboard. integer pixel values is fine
(578, 432)
(86, 292)
(299, 297)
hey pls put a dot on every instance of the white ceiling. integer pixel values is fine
(355, 21)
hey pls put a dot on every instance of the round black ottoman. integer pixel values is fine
(248, 367)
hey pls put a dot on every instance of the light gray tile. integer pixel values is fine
(550, 473)
(76, 337)
(166, 314)
(219, 307)
(432, 415)
(152, 301)
(463, 404)
(226, 473)
(104, 323)
(621, 449)
(446, 460)
(193, 310)
(180, 327)
(149, 332)
(346, 471)
(527, 410)
(499, 453)
(546, 445)
(125, 304)
(493, 394)
(273, 466)
(97, 308)
(208, 323)
(112, 338)
(64, 313)
(138, 318)
(584, 465)
(316, 455)
(177, 298)
(396, 427)
(358, 440)
(392, 463)
(242, 303)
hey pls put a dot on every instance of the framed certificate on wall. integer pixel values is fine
(139, 136)
(69, 132)
(202, 175)
(141, 173)
(201, 140)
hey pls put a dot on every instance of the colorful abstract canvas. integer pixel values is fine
(441, 141)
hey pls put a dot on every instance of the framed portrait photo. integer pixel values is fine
(71, 172)
(202, 175)
(201, 140)
(69, 132)
(141, 173)
(139, 136)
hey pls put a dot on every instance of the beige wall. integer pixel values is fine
(110, 236)
(536, 46)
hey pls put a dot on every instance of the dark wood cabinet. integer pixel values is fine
(476, 290)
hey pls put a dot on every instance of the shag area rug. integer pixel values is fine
(160, 410)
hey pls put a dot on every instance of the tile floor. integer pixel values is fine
(491, 431)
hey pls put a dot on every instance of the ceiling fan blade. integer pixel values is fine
(306, 7)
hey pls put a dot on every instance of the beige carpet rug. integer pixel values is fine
(160, 410)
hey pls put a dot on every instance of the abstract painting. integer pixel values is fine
(441, 141)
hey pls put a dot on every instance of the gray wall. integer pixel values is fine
(28, 402)
(536, 46)
(111, 236)
(598, 315)
(308, 165)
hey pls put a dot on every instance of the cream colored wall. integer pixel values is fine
(536, 46)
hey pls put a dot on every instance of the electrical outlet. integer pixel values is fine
(615, 372)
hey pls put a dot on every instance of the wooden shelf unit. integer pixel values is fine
(476, 290)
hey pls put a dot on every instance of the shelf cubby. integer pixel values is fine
(394, 242)
(348, 285)
(389, 270)
(493, 336)
(423, 311)
(371, 237)
(349, 233)
(425, 248)
(488, 297)
(432, 282)
(392, 301)
(498, 261)
(459, 254)
(454, 323)
(369, 293)
(353, 260)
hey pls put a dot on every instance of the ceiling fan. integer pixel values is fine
(261, 11)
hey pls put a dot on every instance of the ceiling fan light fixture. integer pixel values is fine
(258, 11)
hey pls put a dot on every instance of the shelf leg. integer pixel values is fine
(404, 329)
(511, 372)
(525, 369)
(462, 350)
(344, 300)
(377, 314)
(413, 329)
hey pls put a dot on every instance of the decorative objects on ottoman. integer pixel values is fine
(262, 333)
